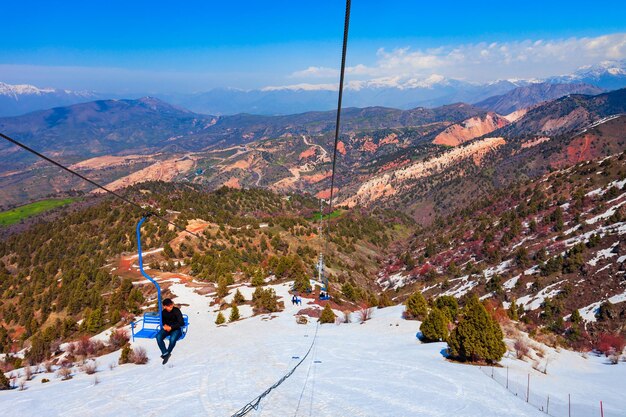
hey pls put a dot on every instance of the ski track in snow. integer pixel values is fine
(375, 369)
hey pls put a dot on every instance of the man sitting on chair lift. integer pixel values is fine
(173, 321)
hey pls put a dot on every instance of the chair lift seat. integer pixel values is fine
(151, 324)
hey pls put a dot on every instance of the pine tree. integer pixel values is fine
(512, 311)
(238, 298)
(383, 300)
(94, 322)
(302, 283)
(416, 306)
(125, 355)
(435, 326)
(448, 306)
(234, 313)
(4, 382)
(328, 315)
(348, 291)
(222, 287)
(477, 337)
(575, 317)
(220, 319)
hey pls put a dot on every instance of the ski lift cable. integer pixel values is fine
(113, 193)
(337, 129)
(254, 404)
(306, 380)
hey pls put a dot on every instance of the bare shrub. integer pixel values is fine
(521, 348)
(301, 320)
(28, 373)
(64, 373)
(613, 358)
(90, 368)
(85, 347)
(346, 316)
(96, 381)
(55, 347)
(364, 314)
(118, 338)
(112, 366)
(540, 352)
(47, 365)
(22, 384)
(139, 356)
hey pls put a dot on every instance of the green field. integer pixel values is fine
(15, 215)
(336, 213)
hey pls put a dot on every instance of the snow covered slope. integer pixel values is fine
(375, 369)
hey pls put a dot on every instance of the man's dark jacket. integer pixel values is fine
(173, 318)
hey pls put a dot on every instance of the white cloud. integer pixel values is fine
(303, 86)
(316, 72)
(478, 62)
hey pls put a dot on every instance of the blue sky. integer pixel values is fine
(117, 46)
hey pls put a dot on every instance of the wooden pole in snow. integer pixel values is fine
(569, 405)
(601, 409)
(507, 377)
(528, 388)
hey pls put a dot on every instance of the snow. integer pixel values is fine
(499, 269)
(533, 302)
(375, 369)
(395, 281)
(460, 290)
(588, 381)
(509, 284)
(589, 313)
(603, 254)
(215, 371)
(606, 214)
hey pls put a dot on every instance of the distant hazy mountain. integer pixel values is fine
(295, 99)
(529, 95)
(432, 92)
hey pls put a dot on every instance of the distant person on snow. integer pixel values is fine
(294, 300)
(173, 321)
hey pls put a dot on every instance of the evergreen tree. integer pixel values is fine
(328, 315)
(125, 355)
(168, 252)
(238, 298)
(348, 291)
(478, 336)
(234, 313)
(448, 306)
(302, 283)
(4, 382)
(575, 317)
(383, 300)
(220, 319)
(222, 287)
(95, 321)
(435, 326)
(416, 306)
(512, 311)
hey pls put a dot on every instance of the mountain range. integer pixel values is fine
(433, 92)
(403, 158)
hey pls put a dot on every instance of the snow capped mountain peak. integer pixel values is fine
(22, 89)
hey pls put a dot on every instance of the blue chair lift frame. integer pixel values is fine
(151, 322)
